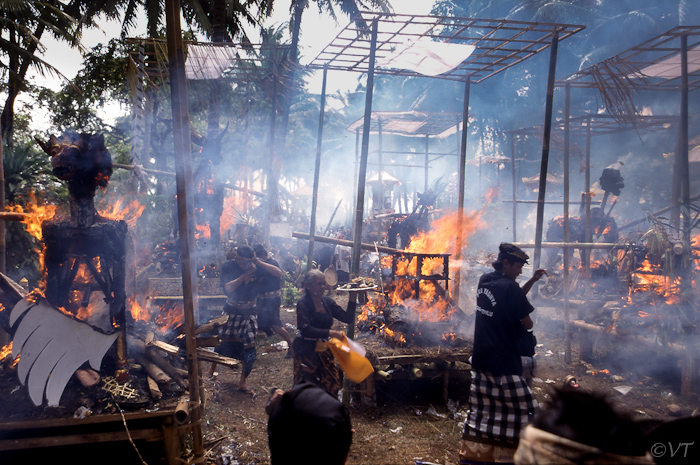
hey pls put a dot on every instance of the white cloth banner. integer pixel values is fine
(427, 57)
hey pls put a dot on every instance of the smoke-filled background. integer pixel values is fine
(254, 141)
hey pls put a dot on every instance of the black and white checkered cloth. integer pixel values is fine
(499, 407)
(240, 328)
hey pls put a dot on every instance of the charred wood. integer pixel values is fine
(203, 354)
(212, 341)
(154, 389)
(211, 325)
(152, 369)
(165, 365)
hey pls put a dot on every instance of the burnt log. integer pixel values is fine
(154, 389)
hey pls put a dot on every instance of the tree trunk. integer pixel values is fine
(294, 52)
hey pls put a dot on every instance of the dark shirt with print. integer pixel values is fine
(315, 325)
(246, 292)
(500, 305)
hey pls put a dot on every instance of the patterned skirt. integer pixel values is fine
(238, 340)
(320, 368)
(499, 407)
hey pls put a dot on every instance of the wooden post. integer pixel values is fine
(589, 233)
(427, 160)
(361, 178)
(565, 250)
(364, 153)
(379, 160)
(462, 167)
(683, 142)
(183, 179)
(317, 169)
(271, 199)
(545, 151)
(688, 365)
(515, 185)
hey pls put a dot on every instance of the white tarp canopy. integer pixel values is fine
(209, 61)
(427, 57)
(670, 68)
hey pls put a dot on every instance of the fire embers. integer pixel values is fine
(7, 361)
(415, 309)
(657, 284)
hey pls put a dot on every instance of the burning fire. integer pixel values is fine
(427, 301)
(650, 278)
(233, 207)
(6, 353)
(165, 318)
(202, 231)
(440, 238)
(120, 210)
(36, 214)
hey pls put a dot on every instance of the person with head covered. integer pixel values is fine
(316, 314)
(500, 400)
(238, 334)
(307, 425)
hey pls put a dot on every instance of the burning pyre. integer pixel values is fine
(654, 279)
(79, 311)
(415, 307)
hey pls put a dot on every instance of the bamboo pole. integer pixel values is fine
(364, 153)
(182, 148)
(14, 216)
(567, 156)
(577, 245)
(317, 170)
(461, 180)
(545, 150)
(332, 240)
(328, 226)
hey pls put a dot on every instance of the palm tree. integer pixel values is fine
(24, 23)
(350, 8)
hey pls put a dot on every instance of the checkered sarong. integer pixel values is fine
(240, 328)
(499, 407)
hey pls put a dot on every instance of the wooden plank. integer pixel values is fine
(75, 439)
(179, 297)
(204, 354)
(90, 420)
(409, 359)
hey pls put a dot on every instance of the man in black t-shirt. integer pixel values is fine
(238, 334)
(500, 401)
(269, 279)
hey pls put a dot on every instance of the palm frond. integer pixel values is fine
(616, 81)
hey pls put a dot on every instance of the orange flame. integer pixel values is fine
(36, 214)
(166, 318)
(5, 351)
(118, 210)
(428, 304)
(440, 238)
(233, 207)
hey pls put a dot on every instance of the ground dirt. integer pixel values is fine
(407, 420)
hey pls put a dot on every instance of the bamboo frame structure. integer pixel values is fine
(499, 45)
(667, 62)
(416, 124)
(372, 36)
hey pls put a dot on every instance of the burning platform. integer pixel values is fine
(411, 328)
